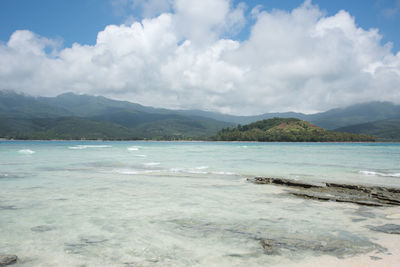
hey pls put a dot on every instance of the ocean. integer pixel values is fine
(95, 203)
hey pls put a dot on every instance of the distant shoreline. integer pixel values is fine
(194, 141)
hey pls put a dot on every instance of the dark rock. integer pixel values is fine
(358, 219)
(8, 207)
(84, 242)
(281, 181)
(42, 228)
(365, 213)
(358, 194)
(336, 247)
(327, 197)
(270, 247)
(7, 259)
(375, 258)
(386, 228)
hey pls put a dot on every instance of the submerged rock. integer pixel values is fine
(83, 244)
(42, 228)
(10, 207)
(364, 213)
(386, 228)
(7, 259)
(357, 194)
(326, 246)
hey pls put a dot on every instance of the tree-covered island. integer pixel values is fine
(287, 130)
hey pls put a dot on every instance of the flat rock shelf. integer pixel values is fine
(358, 194)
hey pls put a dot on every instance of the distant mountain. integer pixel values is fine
(18, 111)
(385, 130)
(71, 116)
(286, 130)
(331, 119)
(242, 119)
(22, 106)
(356, 114)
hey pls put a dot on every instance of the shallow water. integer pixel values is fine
(187, 203)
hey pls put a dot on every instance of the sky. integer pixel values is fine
(231, 56)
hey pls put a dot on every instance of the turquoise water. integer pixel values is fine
(182, 203)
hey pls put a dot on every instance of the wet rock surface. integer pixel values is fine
(84, 244)
(386, 228)
(340, 248)
(7, 259)
(358, 194)
(42, 228)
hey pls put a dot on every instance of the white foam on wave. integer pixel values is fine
(88, 146)
(372, 173)
(223, 173)
(176, 170)
(196, 171)
(3, 174)
(26, 151)
(133, 148)
(201, 168)
(150, 164)
(134, 172)
(141, 156)
(126, 171)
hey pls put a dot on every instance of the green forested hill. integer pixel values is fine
(355, 114)
(71, 116)
(72, 128)
(287, 130)
(385, 130)
(26, 116)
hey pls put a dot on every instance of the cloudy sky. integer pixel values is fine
(238, 57)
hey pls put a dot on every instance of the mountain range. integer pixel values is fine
(72, 116)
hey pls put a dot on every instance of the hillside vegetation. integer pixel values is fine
(287, 130)
(72, 116)
(384, 130)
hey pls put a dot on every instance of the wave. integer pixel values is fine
(142, 156)
(224, 173)
(372, 173)
(26, 151)
(133, 148)
(200, 170)
(134, 172)
(150, 164)
(88, 146)
(196, 172)
(127, 171)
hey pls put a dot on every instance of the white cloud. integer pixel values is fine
(301, 60)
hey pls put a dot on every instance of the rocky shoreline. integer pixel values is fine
(373, 196)
(377, 196)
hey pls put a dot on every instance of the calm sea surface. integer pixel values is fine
(185, 203)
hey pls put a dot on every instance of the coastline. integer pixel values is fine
(204, 141)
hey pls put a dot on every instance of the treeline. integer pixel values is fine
(287, 130)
